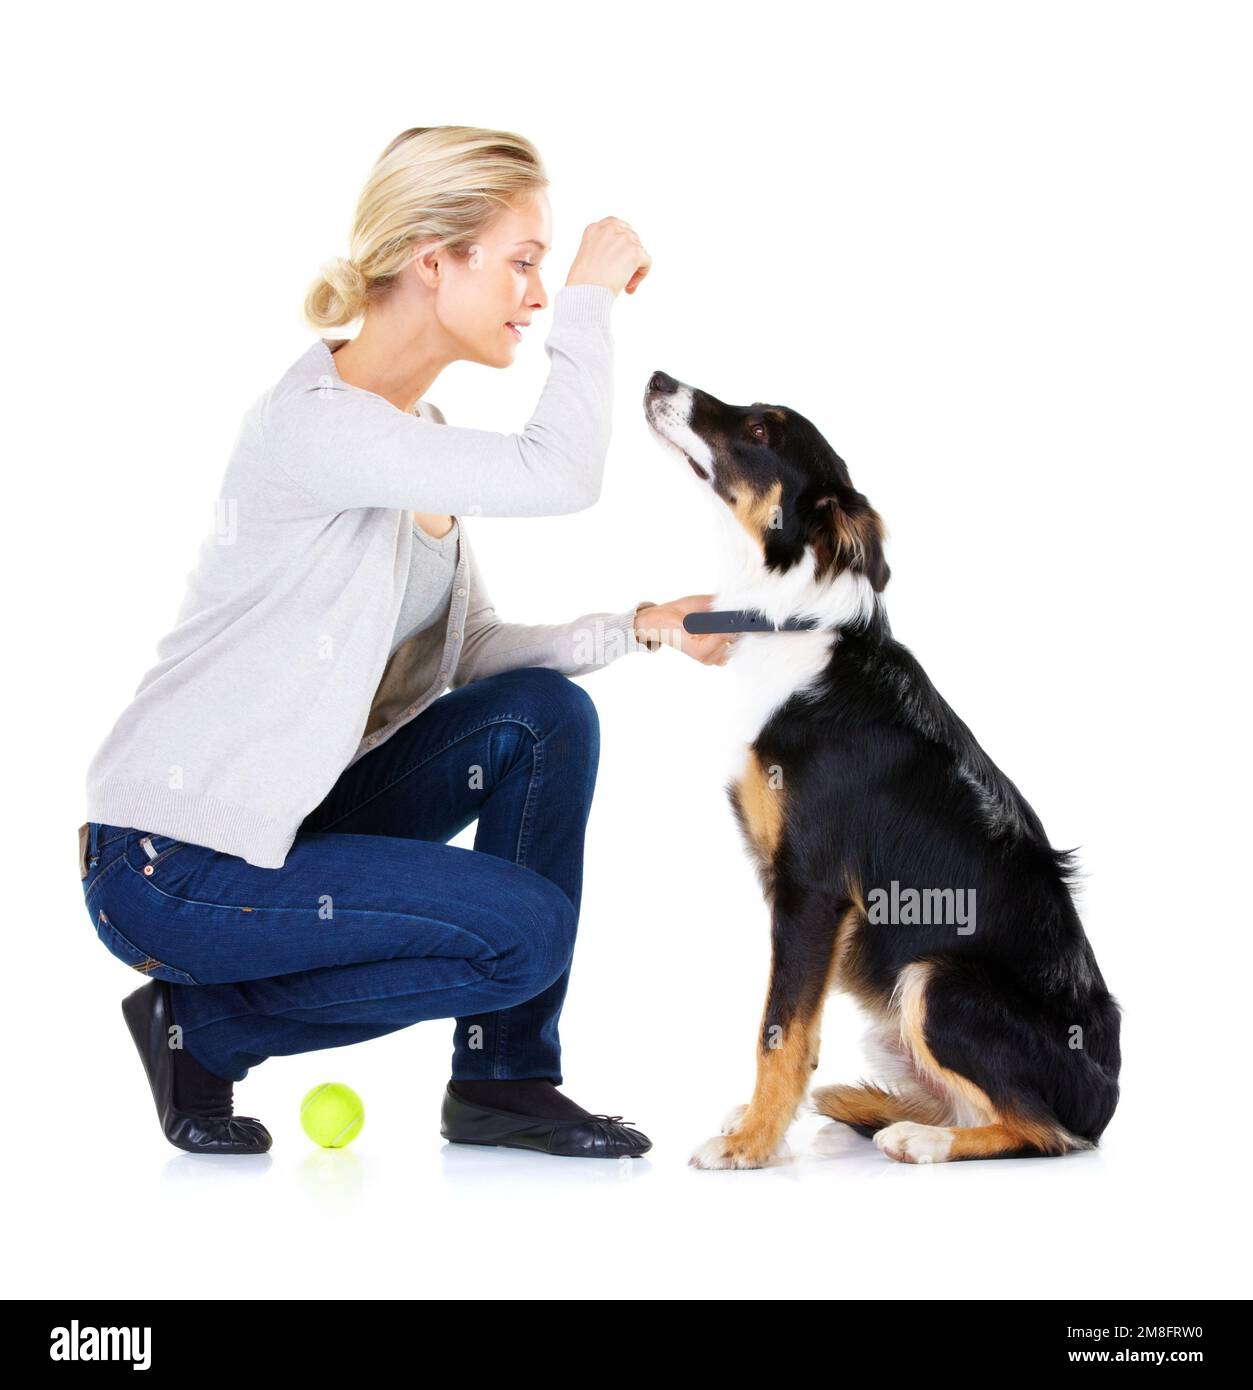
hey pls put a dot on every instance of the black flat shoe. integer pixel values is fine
(149, 1017)
(599, 1136)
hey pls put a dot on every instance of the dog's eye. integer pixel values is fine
(757, 429)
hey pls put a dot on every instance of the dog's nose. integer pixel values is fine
(661, 383)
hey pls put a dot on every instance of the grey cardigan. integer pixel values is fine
(276, 675)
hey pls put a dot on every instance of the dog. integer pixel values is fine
(869, 810)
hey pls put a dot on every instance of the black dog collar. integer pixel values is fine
(743, 620)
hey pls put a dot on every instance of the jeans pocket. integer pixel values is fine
(126, 950)
(158, 848)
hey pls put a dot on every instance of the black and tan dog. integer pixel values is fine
(899, 863)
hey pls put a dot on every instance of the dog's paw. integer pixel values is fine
(907, 1142)
(731, 1120)
(729, 1151)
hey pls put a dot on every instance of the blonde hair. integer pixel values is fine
(440, 184)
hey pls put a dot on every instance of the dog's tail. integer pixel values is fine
(868, 1108)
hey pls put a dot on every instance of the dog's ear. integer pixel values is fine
(848, 534)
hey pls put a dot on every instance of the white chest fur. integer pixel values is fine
(766, 669)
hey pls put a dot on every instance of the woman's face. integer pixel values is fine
(497, 284)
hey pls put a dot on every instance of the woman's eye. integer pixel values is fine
(526, 265)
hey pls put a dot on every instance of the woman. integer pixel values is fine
(267, 820)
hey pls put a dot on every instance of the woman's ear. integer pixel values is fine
(850, 535)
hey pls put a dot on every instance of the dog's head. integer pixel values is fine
(783, 484)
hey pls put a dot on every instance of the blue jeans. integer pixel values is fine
(374, 922)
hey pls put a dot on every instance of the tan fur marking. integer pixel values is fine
(988, 1141)
(753, 509)
(760, 807)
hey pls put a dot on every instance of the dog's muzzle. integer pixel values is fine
(668, 409)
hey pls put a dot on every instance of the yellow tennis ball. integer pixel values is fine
(332, 1115)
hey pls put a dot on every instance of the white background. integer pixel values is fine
(1000, 255)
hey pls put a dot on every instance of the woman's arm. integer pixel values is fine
(345, 447)
(586, 644)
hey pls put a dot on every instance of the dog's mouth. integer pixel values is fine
(697, 469)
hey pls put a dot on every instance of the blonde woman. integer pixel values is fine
(267, 821)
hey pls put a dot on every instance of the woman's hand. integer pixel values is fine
(610, 255)
(664, 621)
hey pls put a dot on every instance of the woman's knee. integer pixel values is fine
(552, 700)
(543, 940)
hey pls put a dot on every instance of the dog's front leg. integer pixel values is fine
(802, 948)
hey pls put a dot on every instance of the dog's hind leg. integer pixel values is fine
(802, 949)
(993, 1062)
